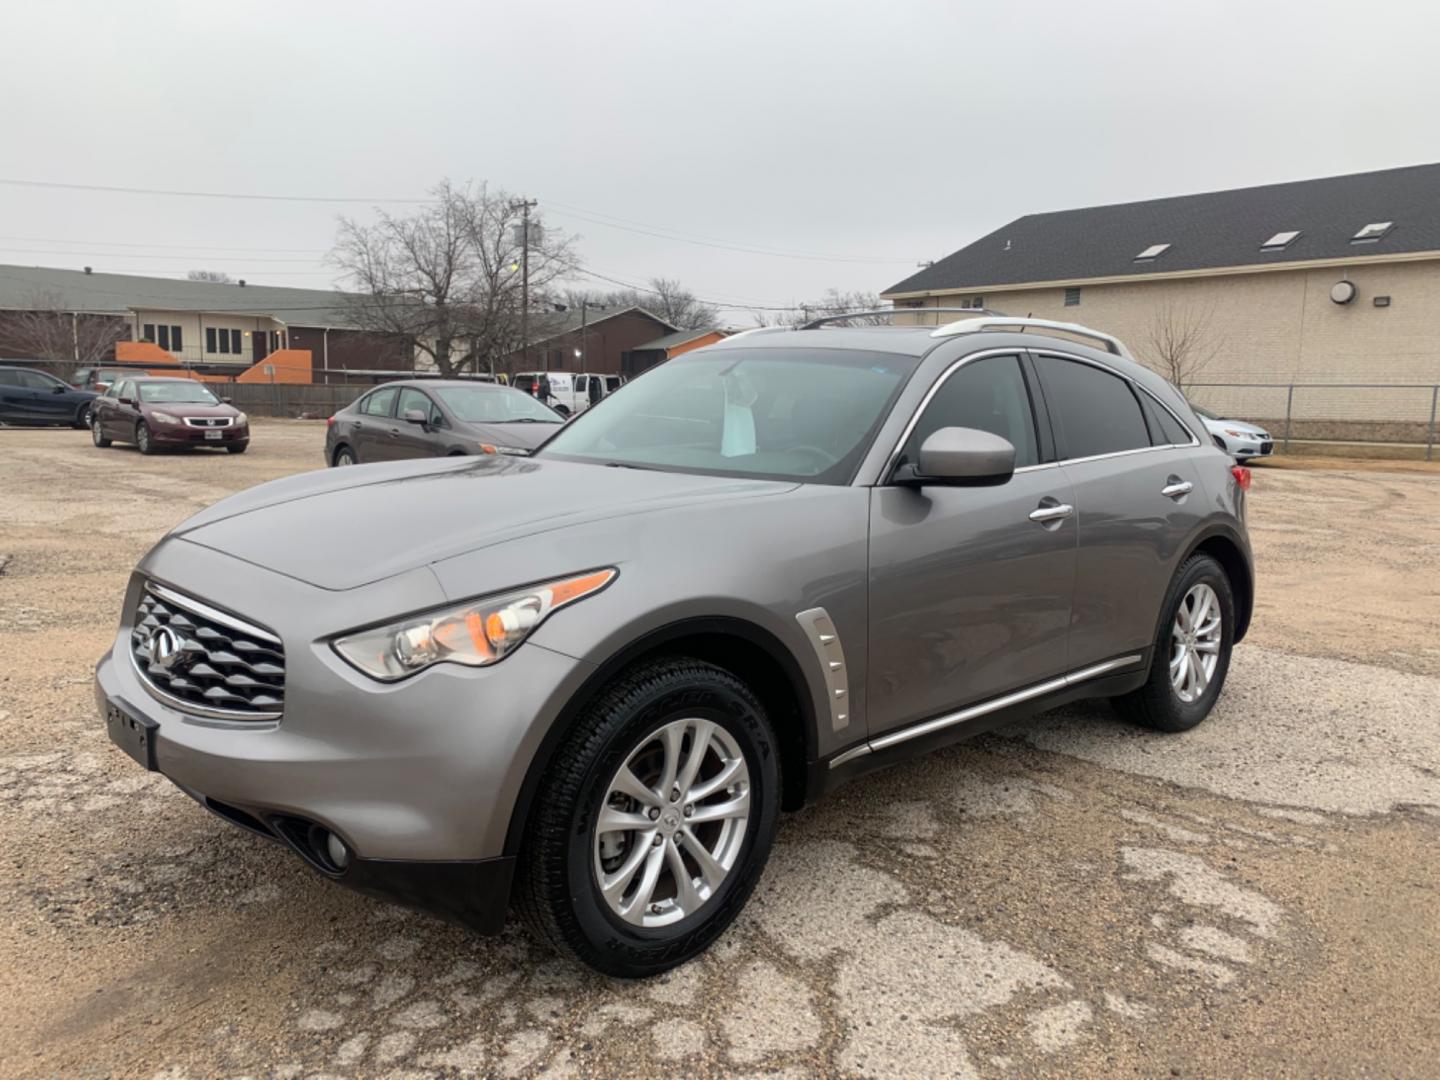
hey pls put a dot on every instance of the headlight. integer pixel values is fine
(241, 420)
(1240, 434)
(476, 634)
(163, 418)
(513, 451)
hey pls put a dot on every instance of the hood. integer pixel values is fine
(522, 436)
(1218, 426)
(188, 408)
(342, 528)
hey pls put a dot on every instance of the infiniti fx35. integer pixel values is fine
(587, 681)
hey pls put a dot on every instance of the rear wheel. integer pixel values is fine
(1192, 650)
(343, 456)
(95, 434)
(143, 440)
(82, 416)
(654, 821)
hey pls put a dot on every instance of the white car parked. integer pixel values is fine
(565, 391)
(1240, 440)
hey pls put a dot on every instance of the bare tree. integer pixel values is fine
(446, 280)
(665, 298)
(834, 302)
(49, 330)
(219, 277)
(1181, 340)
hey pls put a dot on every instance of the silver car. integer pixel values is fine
(589, 680)
(1239, 439)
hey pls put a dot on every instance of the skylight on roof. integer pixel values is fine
(1154, 251)
(1372, 232)
(1280, 241)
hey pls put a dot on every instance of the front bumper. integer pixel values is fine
(418, 778)
(185, 435)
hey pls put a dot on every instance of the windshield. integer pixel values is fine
(495, 405)
(790, 414)
(177, 393)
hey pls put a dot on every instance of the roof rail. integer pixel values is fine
(822, 320)
(1003, 322)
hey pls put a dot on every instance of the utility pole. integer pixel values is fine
(585, 305)
(524, 206)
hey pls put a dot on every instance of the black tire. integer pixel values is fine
(238, 448)
(557, 893)
(95, 436)
(343, 456)
(1156, 704)
(82, 417)
(143, 441)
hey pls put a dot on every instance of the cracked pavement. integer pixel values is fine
(1260, 896)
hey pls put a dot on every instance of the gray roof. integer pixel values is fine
(680, 337)
(21, 287)
(552, 324)
(1215, 229)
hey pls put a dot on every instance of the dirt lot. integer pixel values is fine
(1258, 897)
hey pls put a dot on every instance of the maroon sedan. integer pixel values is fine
(157, 413)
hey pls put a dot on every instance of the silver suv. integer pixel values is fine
(589, 680)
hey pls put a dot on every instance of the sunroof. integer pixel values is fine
(1280, 240)
(1154, 251)
(1372, 232)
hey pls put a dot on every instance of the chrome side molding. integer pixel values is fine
(939, 723)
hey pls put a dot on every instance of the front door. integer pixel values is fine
(969, 595)
(259, 346)
(416, 440)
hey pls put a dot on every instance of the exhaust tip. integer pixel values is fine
(336, 849)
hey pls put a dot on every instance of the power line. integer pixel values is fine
(207, 194)
(150, 255)
(188, 247)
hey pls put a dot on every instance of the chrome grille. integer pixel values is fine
(208, 421)
(206, 661)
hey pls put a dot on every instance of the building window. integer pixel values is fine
(234, 341)
(1072, 296)
(149, 333)
(1154, 251)
(175, 345)
(974, 302)
(210, 346)
(164, 339)
(1372, 232)
(1280, 241)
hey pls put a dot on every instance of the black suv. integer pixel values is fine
(28, 396)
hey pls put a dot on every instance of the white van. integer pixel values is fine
(565, 391)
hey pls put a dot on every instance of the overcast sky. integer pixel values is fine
(872, 135)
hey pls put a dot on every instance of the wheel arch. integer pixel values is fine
(748, 651)
(1225, 546)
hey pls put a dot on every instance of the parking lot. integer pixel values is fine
(1260, 896)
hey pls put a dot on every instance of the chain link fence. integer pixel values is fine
(1329, 412)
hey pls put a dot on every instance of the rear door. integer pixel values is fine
(15, 396)
(969, 594)
(373, 429)
(1138, 498)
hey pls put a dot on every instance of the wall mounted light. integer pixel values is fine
(1342, 292)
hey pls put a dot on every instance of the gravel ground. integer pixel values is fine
(1258, 897)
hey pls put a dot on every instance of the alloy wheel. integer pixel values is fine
(1195, 640)
(673, 823)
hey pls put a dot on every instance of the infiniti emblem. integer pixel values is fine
(164, 647)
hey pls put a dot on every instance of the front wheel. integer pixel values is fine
(1192, 650)
(654, 821)
(238, 448)
(143, 439)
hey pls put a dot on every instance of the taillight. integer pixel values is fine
(330, 421)
(1242, 476)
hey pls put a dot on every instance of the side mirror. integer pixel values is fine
(127, 401)
(959, 456)
(59, 389)
(227, 401)
(416, 416)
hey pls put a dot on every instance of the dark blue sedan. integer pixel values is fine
(28, 396)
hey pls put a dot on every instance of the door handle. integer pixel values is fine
(1177, 488)
(394, 432)
(1052, 513)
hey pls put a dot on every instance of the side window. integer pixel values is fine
(33, 380)
(988, 394)
(1094, 411)
(379, 403)
(410, 398)
(1165, 430)
(612, 383)
(9, 378)
(126, 390)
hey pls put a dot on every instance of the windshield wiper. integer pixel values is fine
(628, 465)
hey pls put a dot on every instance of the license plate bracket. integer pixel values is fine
(133, 734)
(214, 434)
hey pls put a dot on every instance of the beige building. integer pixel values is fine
(1308, 284)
